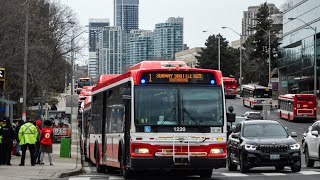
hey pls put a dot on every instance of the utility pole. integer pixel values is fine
(25, 66)
(219, 52)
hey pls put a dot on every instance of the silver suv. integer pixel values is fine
(311, 144)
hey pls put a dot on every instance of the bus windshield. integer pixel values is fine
(83, 82)
(178, 105)
(262, 93)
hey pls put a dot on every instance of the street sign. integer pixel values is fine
(2, 73)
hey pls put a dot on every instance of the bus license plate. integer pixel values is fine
(274, 156)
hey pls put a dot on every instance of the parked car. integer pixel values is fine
(252, 115)
(257, 143)
(311, 144)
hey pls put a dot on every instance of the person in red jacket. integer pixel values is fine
(46, 141)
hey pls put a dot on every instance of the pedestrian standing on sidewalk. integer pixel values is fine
(46, 141)
(8, 139)
(20, 123)
(1, 153)
(39, 128)
(28, 137)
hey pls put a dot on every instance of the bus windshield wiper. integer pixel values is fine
(167, 116)
(193, 119)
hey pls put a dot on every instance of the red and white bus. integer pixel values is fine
(256, 96)
(230, 87)
(160, 115)
(297, 107)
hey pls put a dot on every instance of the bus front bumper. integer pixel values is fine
(167, 163)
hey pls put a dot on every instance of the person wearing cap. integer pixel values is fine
(8, 139)
(28, 134)
(39, 128)
(46, 141)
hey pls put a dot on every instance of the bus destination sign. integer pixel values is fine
(177, 77)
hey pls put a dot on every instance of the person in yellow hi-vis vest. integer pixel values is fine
(28, 134)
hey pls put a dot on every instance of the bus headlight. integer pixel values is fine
(141, 151)
(295, 146)
(216, 151)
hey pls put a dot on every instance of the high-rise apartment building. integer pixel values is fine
(140, 46)
(126, 14)
(110, 52)
(95, 28)
(168, 38)
(249, 16)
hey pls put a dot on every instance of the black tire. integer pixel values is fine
(231, 165)
(279, 168)
(206, 174)
(296, 167)
(100, 168)
(125, 171)
(309, 162)
(243, 165)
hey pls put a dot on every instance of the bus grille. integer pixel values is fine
(273, 148)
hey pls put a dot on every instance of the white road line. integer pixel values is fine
(273, 174)
(80, 178)
(309, 172)
(115, 178)
(234, 174)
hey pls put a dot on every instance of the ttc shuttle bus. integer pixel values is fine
(256, 96)
(297, 107)
(160, 115)
(230, 87)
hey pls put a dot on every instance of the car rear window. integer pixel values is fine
(255, 115)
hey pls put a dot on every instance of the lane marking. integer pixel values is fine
(273, 174)
(80, 178)
(235, 174)
(309, 172)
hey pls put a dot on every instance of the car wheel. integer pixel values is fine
(206, 174)
(279, 168)
(309, 162)
(296, 167)
(243, 165)
(231, 165)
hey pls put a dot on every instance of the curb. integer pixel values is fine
(74, 172)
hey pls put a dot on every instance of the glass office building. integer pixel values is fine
(126, 14)
(296, 52)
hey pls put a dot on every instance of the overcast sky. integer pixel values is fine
(198, 15)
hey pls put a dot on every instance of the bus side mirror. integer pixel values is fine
(231, 117)
(126, 94)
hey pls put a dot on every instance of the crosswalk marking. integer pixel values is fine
(273, 174)
(234, 174)
(309, 172)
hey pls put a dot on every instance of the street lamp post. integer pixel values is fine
(240, 79)
(219, 60)
(25, 64)
(315, 54)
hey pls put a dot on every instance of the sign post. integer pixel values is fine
(2, 82)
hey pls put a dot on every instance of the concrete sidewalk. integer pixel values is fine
(62, 167)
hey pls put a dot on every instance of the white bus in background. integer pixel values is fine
(254, 95)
